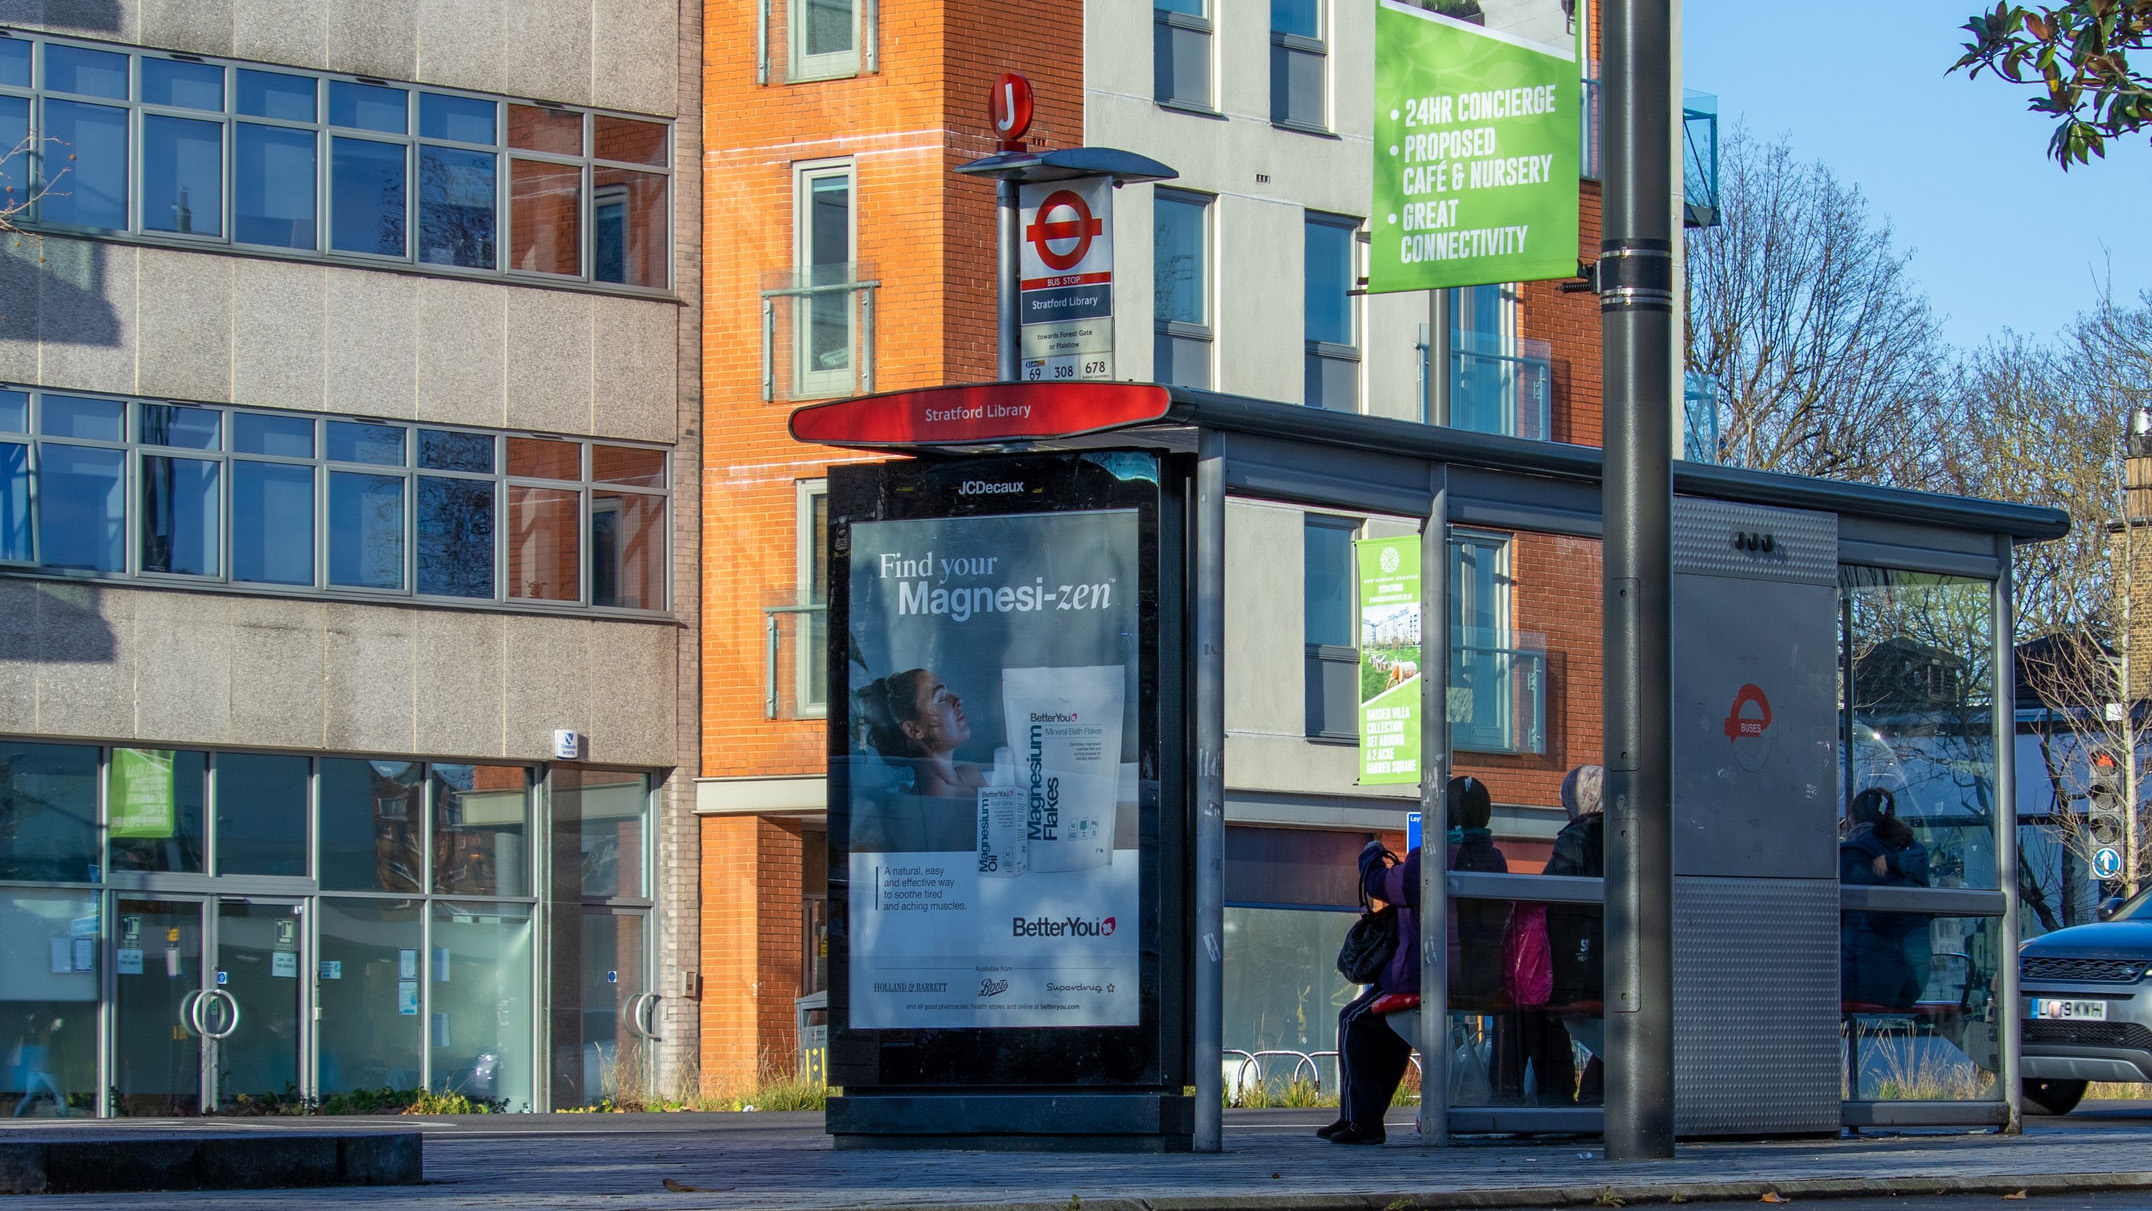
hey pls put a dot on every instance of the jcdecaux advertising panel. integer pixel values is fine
(994, 732)
(1477, 145)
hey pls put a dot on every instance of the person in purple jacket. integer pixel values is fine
(1371, 1056)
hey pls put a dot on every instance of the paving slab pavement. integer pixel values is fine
(1271, 1162)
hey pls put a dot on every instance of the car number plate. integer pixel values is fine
(2079, 1011)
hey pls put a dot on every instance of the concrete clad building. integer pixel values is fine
(349, 469)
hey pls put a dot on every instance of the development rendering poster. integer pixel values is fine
(993, 733)
(1477, 146)
(1389, 659)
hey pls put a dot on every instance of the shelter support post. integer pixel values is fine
(1208, 592)
(2004, 1013)
(1635, 280)
(1007, 269)
(1434, 817)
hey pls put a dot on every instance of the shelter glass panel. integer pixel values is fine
(1920, 724)
(1920, 1018)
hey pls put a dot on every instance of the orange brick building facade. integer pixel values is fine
(925, 236)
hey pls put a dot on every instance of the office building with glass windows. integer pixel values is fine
(349, 633)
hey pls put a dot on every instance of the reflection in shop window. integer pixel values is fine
(608, 812)
(153, 809)
(261, 814)
(481, 822)
(372, 830)
(370, 1030)
(48, 812)
(48, 1019)
(478, 1002)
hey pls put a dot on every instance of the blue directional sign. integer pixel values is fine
(2106, 862)
(1412, 831)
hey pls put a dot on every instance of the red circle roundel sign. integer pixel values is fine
(1009, 106)
(1063, 217)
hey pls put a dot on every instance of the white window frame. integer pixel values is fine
(1206, 331)
(1356, 239)
(1500, 548)
(1205, 25)
(1317, 47)
(809, 381)
(829, 65)
(808, 689)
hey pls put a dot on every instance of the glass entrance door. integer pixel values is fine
(158, 982)
(208, 1000)
(251, 1015)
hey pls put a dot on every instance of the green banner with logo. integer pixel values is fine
(1389, 659)
(1477, 137)
(140, 802)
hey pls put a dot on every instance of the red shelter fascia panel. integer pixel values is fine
(980, 413)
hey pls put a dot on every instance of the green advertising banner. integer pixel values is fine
(1476, 154)
(140, 802)
(1389, 659)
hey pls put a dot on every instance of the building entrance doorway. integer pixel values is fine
(210, 994)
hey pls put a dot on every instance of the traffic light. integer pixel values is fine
(2107, 817)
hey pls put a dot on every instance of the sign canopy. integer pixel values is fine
(977, 413)
(1477, 154)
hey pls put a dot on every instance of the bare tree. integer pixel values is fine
(1802, 309)
(2052, 425)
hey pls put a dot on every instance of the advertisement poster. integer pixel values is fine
(1065, 291)
(1477, 148)
(141, 794)
(1389, 659)
(993, 847)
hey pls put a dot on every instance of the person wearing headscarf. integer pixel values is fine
(1371, 1056)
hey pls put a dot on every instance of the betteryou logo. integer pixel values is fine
(1066, 927)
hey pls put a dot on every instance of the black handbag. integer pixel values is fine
(1372, 941)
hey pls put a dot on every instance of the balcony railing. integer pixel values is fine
(1701, 400)
(795, 671)
(818, 334)
(1498, 699)
(1699, 151)
(1699, 159)
(1502, 387)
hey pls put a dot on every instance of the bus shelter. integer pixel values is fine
(1033, 951)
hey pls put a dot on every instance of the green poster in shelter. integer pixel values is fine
(140, 802)
(1477, 138)
(1389, 659)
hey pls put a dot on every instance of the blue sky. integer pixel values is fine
(2001, 236)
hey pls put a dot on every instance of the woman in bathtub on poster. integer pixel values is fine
(915, 720)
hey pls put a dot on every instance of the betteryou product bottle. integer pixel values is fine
(1065, 732)
(1003, 814)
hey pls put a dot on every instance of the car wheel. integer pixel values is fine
(2051, 1097)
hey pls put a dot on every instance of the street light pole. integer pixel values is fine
(1636, 307)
